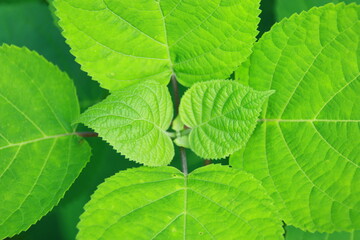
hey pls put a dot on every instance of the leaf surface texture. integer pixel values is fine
(222, 115)
(40, 156)
(306, 148)
(160, 203)
(121, 42)
(134, 121)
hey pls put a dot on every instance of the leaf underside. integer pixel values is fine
(222, 115)
(121, 42)
(40, 156)
(134, 121)
(306, 148)
(160, 203)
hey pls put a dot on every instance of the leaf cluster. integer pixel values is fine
(285, 109)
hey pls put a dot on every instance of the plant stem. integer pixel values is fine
(176, 94)
(87, 134)
(183, 160)
(207, 162)
(177, 104)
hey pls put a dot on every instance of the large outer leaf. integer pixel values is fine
(285, 8)
(296, 234)
(40, 156)
(160, 203)
(121, 42)
(134, 120)
(222, 115)
(306, 149)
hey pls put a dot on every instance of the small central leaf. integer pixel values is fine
(222, 115)
(134, 120)
(160, 203)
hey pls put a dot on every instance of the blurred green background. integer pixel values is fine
(31, 23)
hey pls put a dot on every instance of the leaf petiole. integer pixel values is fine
(177, 103)
(87, 134)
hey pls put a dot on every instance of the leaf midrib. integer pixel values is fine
(185, 188)
(36, 140)
(167, 39)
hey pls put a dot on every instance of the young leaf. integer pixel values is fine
(134, 121)
(222, 115)
(285, 8)
(40, 156)
(306, 149)
(162, 203)
(121, 42)
(296, 234)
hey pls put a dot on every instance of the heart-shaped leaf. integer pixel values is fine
(221, 115)
(134, 121)
(162, 203)
(121, 42)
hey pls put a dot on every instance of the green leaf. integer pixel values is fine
(182, 141)
(160, 203)
(296, 234)
(222, 115)
(177, 125)
(121, 42)
(40, 155)
(134, 121)
(285, 8)
(306, 148)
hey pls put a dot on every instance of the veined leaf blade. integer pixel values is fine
(40, 154)
(221, 115)
(134, 121)
(191, 207)
(306, 146)
(120, 43)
